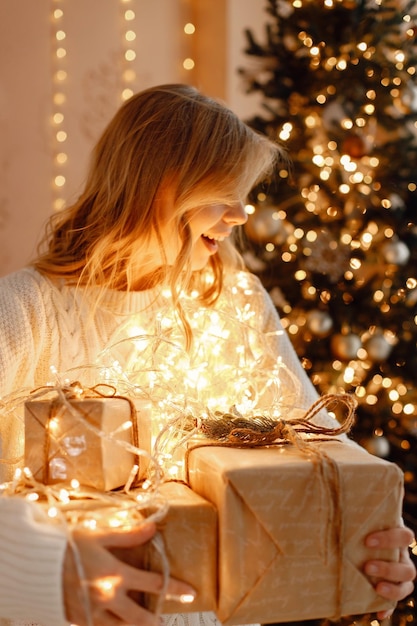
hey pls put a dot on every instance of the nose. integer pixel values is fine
(236, 214)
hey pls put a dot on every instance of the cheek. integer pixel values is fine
(197, 228)
(205, 219)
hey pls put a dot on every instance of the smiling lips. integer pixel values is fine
(211, 243)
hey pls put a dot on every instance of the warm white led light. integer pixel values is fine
(60, 76)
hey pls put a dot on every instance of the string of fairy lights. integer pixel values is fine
(59, 99)
(129, 37)
(189, 62)
(128, 78)
(59, 65)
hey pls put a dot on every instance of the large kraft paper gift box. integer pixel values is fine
(189, 539)
(83, 439)
(292, 528)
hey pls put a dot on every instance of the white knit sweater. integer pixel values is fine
(43, 324)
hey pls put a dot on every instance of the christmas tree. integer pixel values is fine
(333, 235)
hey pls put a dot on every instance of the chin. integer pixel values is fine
(199, 262)
(197, 267)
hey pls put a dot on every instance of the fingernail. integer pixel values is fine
(372, 542)
(372, 569)
(384, 615)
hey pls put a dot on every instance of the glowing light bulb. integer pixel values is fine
(106, 586)
(188, 64)
(32, 497)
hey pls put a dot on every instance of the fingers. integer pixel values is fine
(117, 537)
(395, 581)
(127, 537)
(401, 571)
(391, 571)
(123, 610)
(394, 578)
(109, 596)
(119, 615)
(140, 580)
(151, 582)
(400, 537)
(109, 579)
(394, 591)
(384, 614)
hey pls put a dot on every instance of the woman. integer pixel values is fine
(153, 228)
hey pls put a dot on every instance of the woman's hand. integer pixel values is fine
(108, 580)
(396, 577)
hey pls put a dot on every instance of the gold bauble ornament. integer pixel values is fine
(346, 346)
(264, 225)
(378, 348)
(396, 252)
(319, 322)
(378, 446)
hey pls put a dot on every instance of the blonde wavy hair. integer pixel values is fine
(169, 134)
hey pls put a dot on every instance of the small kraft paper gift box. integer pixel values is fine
(292, 527)
(94, 440)
(189, 540)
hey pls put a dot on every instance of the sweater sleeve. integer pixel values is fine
(31, 557)
(31, 549)
(22, 331)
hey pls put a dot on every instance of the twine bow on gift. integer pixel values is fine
(259, 430)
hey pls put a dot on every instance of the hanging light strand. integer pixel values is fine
(59, 85)
(189, 29)
(129, 36)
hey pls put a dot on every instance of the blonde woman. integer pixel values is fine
(165, 190)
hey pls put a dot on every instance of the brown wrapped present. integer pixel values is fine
(189, 534)
(88, 439)
(292, 527)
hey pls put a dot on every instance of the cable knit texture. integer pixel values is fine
(31, 552)
(44, 324)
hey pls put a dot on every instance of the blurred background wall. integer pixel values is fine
(67, 65)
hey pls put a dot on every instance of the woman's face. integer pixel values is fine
(209, 225)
